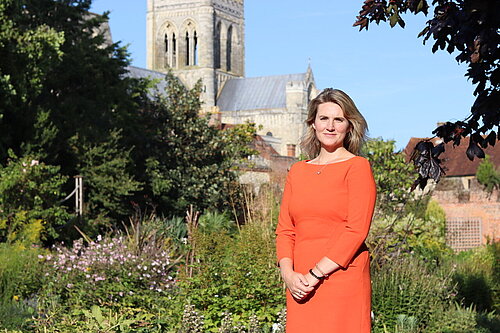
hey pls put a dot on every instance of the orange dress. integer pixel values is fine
(329, 214)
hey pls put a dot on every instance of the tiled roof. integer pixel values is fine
(455, 161)
(265, 92)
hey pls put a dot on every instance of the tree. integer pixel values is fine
(66, 100)
(27, 54)
(392, 175)
(183, 160)
(487, 175)
(63, 92)
(471, 27)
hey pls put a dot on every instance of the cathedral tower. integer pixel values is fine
(197, 39)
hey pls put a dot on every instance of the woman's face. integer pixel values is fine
(330, 125)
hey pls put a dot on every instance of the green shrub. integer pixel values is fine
(392, 237)
(487, 175)
(30, 195)
(102, 319)
(212, 221)
(454, 319)
(478, 279)
(408, 287)
(237, 276)
(392, 174)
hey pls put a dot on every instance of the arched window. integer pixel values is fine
(195, 49)
(168, 46)
(229, 48)
(187, 48)
(217, 47)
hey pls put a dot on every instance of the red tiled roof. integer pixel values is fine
(455, 161)
(265, 150)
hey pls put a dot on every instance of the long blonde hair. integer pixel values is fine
(356, 136)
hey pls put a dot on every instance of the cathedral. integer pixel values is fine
(205, 39)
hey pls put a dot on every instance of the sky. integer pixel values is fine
(398, 84)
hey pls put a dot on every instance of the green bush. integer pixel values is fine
(392, 237)
(454, 319)
(235, 276)
(20, 276)
(408, 287)
(392, 174)
(487, 175)
(477, 276)
(30, 195)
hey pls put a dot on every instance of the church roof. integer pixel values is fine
(265, 92)
(140, 73)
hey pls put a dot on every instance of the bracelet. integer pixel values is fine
(319, 270)
(315, 276)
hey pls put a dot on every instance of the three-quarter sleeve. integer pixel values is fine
(361, 202)
(285, 231)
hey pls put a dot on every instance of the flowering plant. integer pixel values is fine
(107, 271)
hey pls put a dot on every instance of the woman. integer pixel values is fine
(324, 219)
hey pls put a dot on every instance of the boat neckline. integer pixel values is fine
(307, 161)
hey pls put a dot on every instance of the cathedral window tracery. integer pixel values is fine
(169, 55)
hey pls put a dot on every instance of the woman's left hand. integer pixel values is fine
(311, 280)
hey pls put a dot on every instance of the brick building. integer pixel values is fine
(472, 214)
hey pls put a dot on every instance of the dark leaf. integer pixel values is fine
(401, 22)
(491, 138)
(435, 170)
(474, 150)
(423, 146)
(437, 150)
(420, 182)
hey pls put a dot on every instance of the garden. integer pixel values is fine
(215, 271)
(168, 240)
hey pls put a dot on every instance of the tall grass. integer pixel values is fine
(19, 282)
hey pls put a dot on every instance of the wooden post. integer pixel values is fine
(79, 195)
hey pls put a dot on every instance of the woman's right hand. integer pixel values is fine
(297, 284)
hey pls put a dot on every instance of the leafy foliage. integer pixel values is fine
(187, 161)
(27, 53)
(105, 168)
(19, 281)
(407, 287)
(487, 175)
(392, 175)
(478, 278)
(30, 195)
(235, 275)
(392, 237)
(65, 97)
(471, 27)
(425, 157)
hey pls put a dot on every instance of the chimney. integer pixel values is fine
(290, 150)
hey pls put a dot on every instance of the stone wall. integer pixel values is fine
(472, 214)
